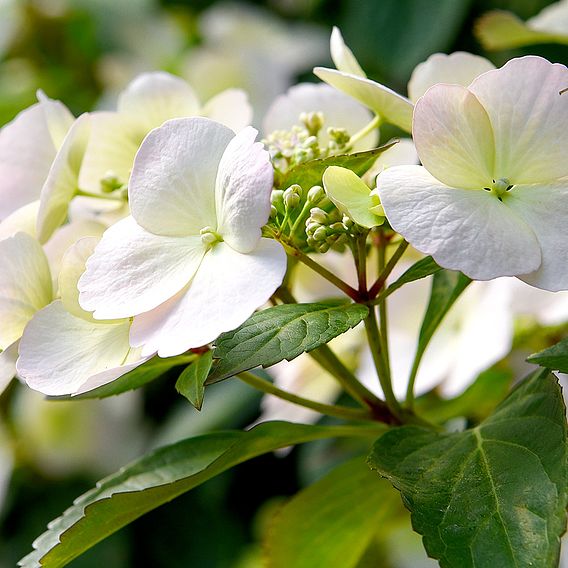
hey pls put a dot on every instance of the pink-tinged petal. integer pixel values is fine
(339, 111)
(458, 68)
(529, 118)
(26, 154)
(389, 105)
(226, 290)
(8, 359)
(60, 353)
(545, 211)
(172, 187)
(242, 191)
(133, 271)
(113, 143)
(153, 98)
(462, 229)
(453, 137)
(25, 285)
(231, 108)
(62, 180)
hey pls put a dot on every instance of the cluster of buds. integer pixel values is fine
(326, 229)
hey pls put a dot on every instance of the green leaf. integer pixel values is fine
(310, 173)
(160, 477)
(332, 522)
(282, 332)
(555, 357)
(499, 30)
(491, 496)
(424, 267)
(149, 371)
(191, 382)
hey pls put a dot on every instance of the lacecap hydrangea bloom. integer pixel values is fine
(491, 198)
(190, 261)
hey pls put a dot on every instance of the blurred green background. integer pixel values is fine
(83, 52)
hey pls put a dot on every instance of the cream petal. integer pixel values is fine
(226, 290)
(242, 191)
(389, 105)
(339, 111)
(462, 229)
(22, 220)
(453, 137)
(57, 116)
(133, 271)
(111, 148)
(231, 108)
(26, 154)
(458, 68)
(153, 98)
(172, 187)
(545, 210)
(62, 180)
(529, 119)
(8, 359)
(25, 284)
(342, 56)
(59, 352)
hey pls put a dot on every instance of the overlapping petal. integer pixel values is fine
(21, 220)
(242, 191)
(226, 290)
(342, 56)
(528, 117)
(231, 108)
(454, 137)
(8, 359)
(462, 229)
(133, 271)
(25, 285)
(171, 187)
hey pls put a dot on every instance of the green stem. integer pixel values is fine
(307, 206)
(386, 271)
(305, 259)
(328, 409)
(107, 197)
(412, 379)
(375, 123)
(383, 315)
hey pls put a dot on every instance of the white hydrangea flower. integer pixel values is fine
(190, 261)
(490, 199)
(457, 68)
(63, 350)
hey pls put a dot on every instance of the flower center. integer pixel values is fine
(209, 237)
(500, 188)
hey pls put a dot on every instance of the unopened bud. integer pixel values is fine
(320, 234)
(313, 121)
(347, 222)
(273, 212)
(276, 197)
(292, 196)
(319, 215)
(316, 194)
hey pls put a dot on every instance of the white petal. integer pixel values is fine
(112, 145)
(339, 111)
(153, 98)
(342, 56)
(226, 290)
(22, 220)
(403, 153)
(529, 118)
(453, 137)
(242, 191)
(26, 154)
(62, 181)
(545, 210)
(59, 352)
(462, 229)
(172, 187)
(8, 359)
(25, 284)
(390, 106)
(458, 68)
(133, 271)
(231, 108)
(552, 19)
(58, 118)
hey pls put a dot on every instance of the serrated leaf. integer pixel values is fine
(160, 477)
(281, 332)
(310, 173)
(491, 496)
(149, 371)
(424, 267)
(331, 522)
(555, 357)
(191, 382)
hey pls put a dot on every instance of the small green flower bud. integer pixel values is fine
(273, 212)
(323, 247)
(320, 234)
(347, 221)
(319, 215)
(292, 196)
(312, 227)
(277, 197)
(313, 121)
(316, 194)
(338, 227)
